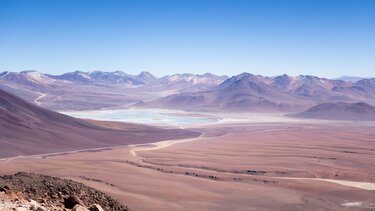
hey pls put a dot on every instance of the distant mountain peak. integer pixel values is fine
(95, 72)
(283, 81)
(77, 72)
(146, 74)
(250, 77)
(242, 77)
(146, 77)
(3, 74)
(28, 77)
(244, 74)
(121, 73)
(308, 77)
(208, 75)
(29, 71)
(244, 81)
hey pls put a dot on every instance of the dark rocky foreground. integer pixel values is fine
(28, 191)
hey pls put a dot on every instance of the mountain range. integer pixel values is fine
(244, 92)
(98, 89)
(248, 92)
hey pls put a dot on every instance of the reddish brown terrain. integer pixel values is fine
(242, 166)
(243, 162)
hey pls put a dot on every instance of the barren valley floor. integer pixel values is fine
(243, 166)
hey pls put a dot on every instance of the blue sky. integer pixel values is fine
(327, 38)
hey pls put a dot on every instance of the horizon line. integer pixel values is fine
(183, 73)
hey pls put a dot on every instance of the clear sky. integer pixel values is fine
(327, 38)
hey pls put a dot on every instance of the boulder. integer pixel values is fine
(34, 205)
(79, 208)
(3, 188)
(71, 201)
(96, 207)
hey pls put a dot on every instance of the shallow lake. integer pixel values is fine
(144, 117)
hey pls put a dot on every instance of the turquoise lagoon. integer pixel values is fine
(144, 117)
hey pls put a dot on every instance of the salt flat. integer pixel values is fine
(146, 116)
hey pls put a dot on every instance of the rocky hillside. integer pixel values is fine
(27, 129)
(340, 111)
(28, 191)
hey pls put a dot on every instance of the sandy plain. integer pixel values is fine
(234, 165)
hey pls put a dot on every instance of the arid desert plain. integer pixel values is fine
(187, 105)
(240, 162)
